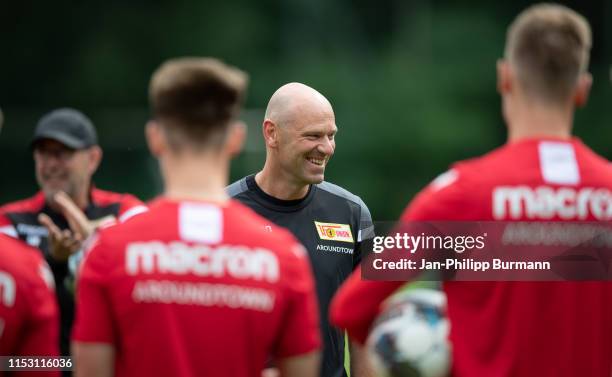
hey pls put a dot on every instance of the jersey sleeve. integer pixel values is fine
(300, 330)
(441, 200)
(365, 234)
(93, 317)
(130, 206)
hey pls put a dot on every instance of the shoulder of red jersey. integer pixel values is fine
(12, 248)
(119, 232)
(446, 194)
(32, 204)
(531, 171)
(164, 219)
(181, 226)
(24, 261)
(129, 205)
(449, 195)
(599, 165)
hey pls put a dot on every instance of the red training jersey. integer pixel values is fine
(504, 329)
(29, 318)
(20, 220)
(196, 289)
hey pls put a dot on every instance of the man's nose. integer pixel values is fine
(326, 147)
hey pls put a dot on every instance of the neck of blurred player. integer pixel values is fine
(195, 176)
(528, 119)
(275, 182)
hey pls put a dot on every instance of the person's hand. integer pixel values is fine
(79, 224)
(63, 243)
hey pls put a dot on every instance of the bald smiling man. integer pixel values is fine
(299, 131)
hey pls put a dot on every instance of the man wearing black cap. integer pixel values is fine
(66, 155)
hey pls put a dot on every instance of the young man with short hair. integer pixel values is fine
(543, 173)
(195, 286)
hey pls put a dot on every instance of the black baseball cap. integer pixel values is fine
(68, 126)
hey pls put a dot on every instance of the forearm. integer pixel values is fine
(300, 366)
(93, 359)
(360, 365)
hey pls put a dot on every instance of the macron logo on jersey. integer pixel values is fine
(545, 202)
(8, 289)
(178, 258)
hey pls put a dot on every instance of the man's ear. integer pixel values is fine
(95, 157)
(583, 88)
(504, 77)
(270, 133)
(235, 138)
(156, 140)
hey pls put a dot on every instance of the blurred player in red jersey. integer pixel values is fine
(196, 286)
(29, 318)
(560, 329)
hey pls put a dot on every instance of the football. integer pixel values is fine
(410, 336)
